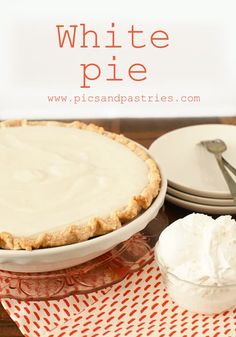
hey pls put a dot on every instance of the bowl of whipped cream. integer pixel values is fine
(197, 259)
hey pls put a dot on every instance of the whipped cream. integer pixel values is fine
(201, 251)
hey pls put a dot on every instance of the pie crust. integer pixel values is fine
(96, 225)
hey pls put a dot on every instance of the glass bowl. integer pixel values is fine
(198, 298)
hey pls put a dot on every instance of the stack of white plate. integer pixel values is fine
(195, 181)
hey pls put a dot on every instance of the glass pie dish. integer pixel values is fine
(56, 258)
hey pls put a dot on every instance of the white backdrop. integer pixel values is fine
(200, 60)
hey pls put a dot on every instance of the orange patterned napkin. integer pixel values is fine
(138, 306)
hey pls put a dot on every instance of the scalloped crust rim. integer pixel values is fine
(74, 233)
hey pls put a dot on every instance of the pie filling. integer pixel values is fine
(53, 176)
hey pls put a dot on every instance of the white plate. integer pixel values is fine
(224, 210)
(200, 200)
(49, 259)
(190, 167)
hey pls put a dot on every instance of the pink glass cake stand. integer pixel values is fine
(93, 275)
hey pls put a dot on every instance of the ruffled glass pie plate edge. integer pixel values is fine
(101, 272)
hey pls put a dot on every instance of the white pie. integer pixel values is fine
(62, 183)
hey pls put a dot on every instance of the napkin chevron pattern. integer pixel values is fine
(138, 306)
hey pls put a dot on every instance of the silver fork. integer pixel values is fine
(217, 147)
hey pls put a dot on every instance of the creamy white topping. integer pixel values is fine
(200, 249)
(54, 176)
